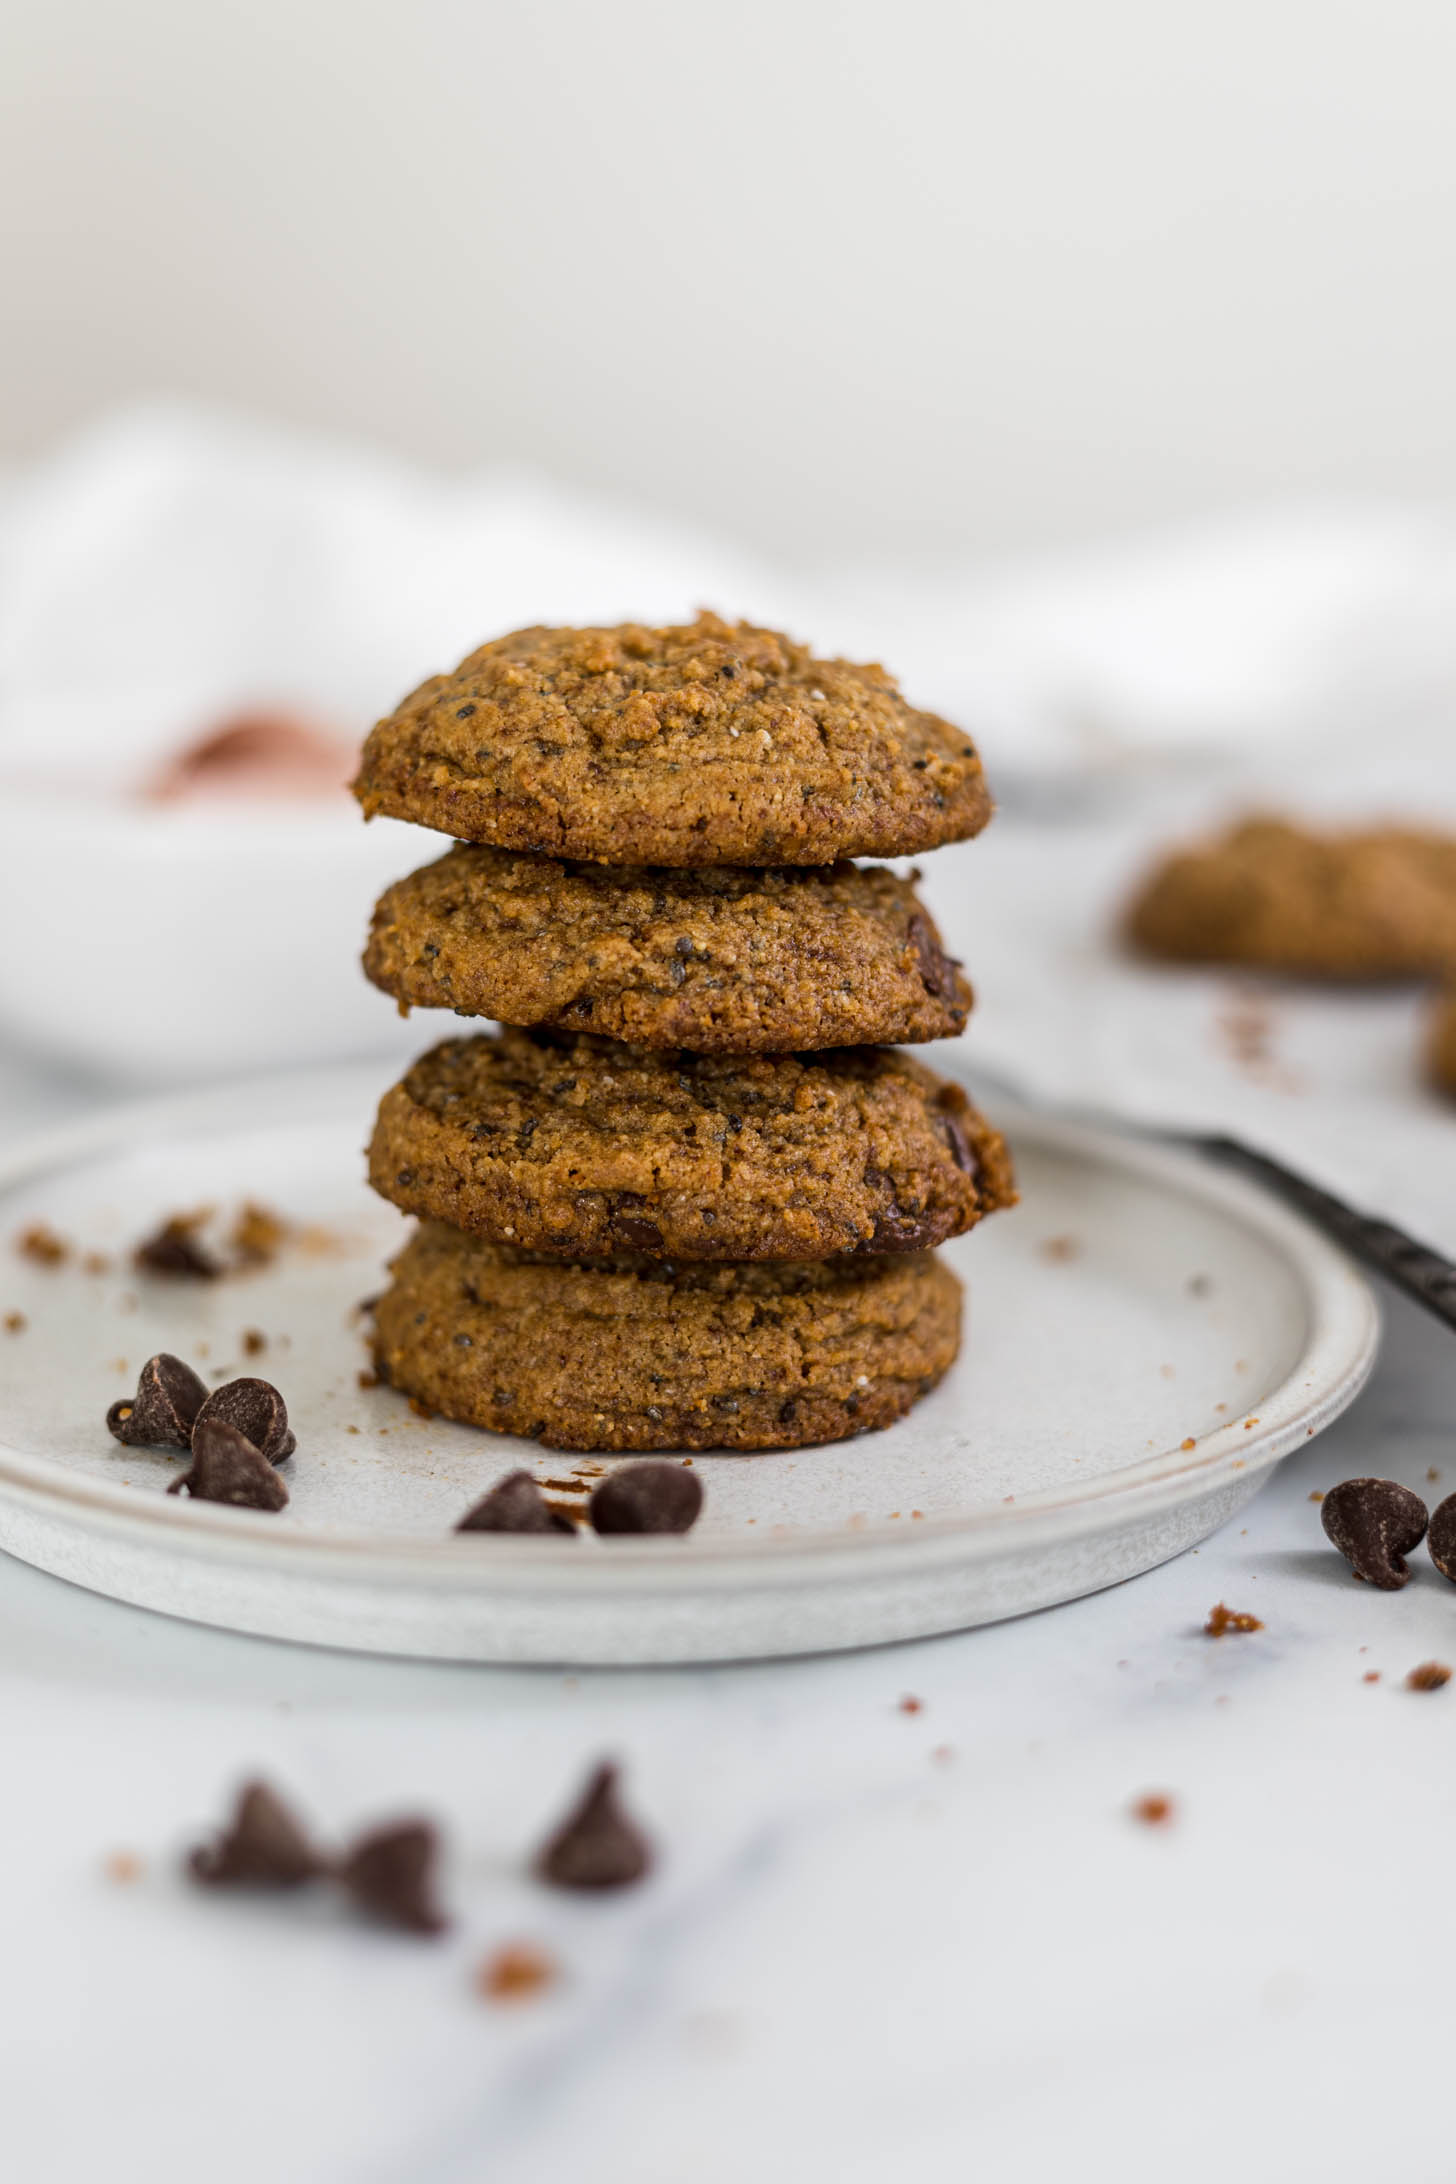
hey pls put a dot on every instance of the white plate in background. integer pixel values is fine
(1135, 1303)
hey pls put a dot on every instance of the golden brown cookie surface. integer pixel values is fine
(579, 1146)
(1374, 904)
(641, 1355)
(708, 743)
(737, 961)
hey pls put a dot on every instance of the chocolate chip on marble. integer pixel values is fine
(514, 1504)
(390, 1873)
(1441, 1539)
(174, 1251)
(226, 1467)
(257, 1411)
(597, 1845)
(646, 1497)
(263, 1846)
(1375, 1523)
(164, 1409)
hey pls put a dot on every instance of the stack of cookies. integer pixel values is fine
(688, 1195)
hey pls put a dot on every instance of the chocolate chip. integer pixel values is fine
(596, 1846)
(463, 712)
(175, 1252)
(1375, 1524)
(390, 1874)
(257, 1411)
(952, 1103)
(637, 1233)
(937, 972)
(164, 1409)
(263, 1847)
(646, 1498)
(514, 1504)
(227, 1468)
(1441, 1539)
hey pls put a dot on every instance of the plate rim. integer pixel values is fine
(1342, 1342)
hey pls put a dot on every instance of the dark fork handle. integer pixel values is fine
(1415, 1268)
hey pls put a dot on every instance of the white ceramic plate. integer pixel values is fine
(1145, 1338)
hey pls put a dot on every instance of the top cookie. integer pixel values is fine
(1379, 904)
(704, 744)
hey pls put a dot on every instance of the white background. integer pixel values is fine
(825, 273)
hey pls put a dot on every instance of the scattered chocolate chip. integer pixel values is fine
(515, 1973)
(174, 1251)
(596, 1846)
(1429, 1676)
(256, 1410)
(646, 1497)
(1375, 1524)
(390, 1874)
(40, 1243)
(514, 1504)
(1441, 1539)
(227, 1468)
(1222, 1620)
(263, 1847)
(164, 1409)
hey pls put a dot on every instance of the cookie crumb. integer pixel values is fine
(1316, 1494)
(1189, 1443)
(175, 1251)
(1428, 1676)
(1222, 1620)
(1059, 1250)
(257, 1235)
(123, 1867)
(909, 1705)
(368, 1380)
(42, 1245)
(254, 1341)
(515, 1973)
(16, 1323)
(1154, 1809)
(1371, 1675)
(96, 1262)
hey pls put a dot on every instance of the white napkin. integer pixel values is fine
(172, 563)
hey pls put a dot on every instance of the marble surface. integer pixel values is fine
(927, 1943)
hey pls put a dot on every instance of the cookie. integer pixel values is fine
(579, 1146)
(637, 1354)
(737, 961)
(1378, 904)
(1443, 1043)
(707, 744)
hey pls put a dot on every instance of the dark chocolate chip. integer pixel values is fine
(937, 972)
(1441, 1539)
(951, 1103)
(227, 1468)
(164, 1409)
(646, 1497)
(257, 1411)
(463, 712)
(263, 1847)
(1375, 1524)
(596, 1846)
(514, 1504)
(636, 1233)
(390, 1873)
(175, 1252)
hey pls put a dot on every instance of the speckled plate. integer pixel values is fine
(1145, 1338)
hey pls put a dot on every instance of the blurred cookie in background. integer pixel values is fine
(1359, 905)
(1442, 1049)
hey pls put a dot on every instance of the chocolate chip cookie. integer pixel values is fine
(711, 743)
(739, 961)
(580, 1146)
(1369, 905)
(637, 1354)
